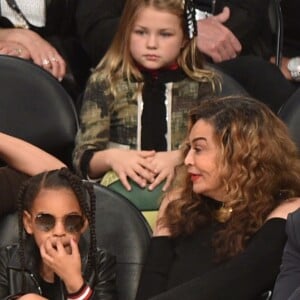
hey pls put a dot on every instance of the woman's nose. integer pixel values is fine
(189, 158)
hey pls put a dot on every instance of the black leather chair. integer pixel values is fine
(290, 114)
(123, 230)
(120, 228)
(229, 85)
(35, 107)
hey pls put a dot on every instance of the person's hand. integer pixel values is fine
(283, 66)
(163, 164)
(31, 296)
(13, 49)
(41, 52)
(216, 40)
(132, 164)
(160, 228)
(65, 262)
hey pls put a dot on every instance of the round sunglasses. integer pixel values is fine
(72, 223)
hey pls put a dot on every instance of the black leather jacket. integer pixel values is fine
(103, 283)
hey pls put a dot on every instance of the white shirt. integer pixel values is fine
(33, 10)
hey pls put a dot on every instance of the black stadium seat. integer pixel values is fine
(35, 107)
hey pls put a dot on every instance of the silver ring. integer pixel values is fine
(46, 62)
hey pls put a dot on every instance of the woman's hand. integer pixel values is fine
(14, 49)
(163, 164)
(65, 262)
(41, 52)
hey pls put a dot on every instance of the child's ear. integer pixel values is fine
(27, 222)
(85, 226)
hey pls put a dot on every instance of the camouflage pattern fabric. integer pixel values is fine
(104, 119)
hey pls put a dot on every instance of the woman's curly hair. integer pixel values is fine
(260, 167)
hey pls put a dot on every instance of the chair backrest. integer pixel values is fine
(290, 114)
(120, 228)
(35, 107)
(276, 24)
(229, 85)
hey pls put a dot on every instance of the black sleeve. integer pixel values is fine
(244, 277)
(4, 277)
(204, 5)
(289, 278)
(104, 286)
(10, 182)
(97, 22)
(154, 276)
(248, 20)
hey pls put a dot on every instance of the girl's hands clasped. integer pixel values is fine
(145, 167)
(132, 164)
(163, 165)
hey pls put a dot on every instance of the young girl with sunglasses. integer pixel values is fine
(136, 104)
(52, 260)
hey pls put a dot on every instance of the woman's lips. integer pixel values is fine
(195, 177)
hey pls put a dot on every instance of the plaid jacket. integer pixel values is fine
(108, 122)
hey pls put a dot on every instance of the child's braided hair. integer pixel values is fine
(62, 178)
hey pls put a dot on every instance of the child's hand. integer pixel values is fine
(64, 262)
(133, 164)
(163, 164)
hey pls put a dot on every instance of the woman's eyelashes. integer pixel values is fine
(197, 149)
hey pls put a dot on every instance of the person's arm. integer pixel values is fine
(155, 273)
(97, 23)
(26, 157)
(94, 131)
(13, 49)
(288, 280)
(5, 283)
(244, 277)
(233, 29)
(92, 156)
(105, 281)
(40, 51)
(215, 40)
